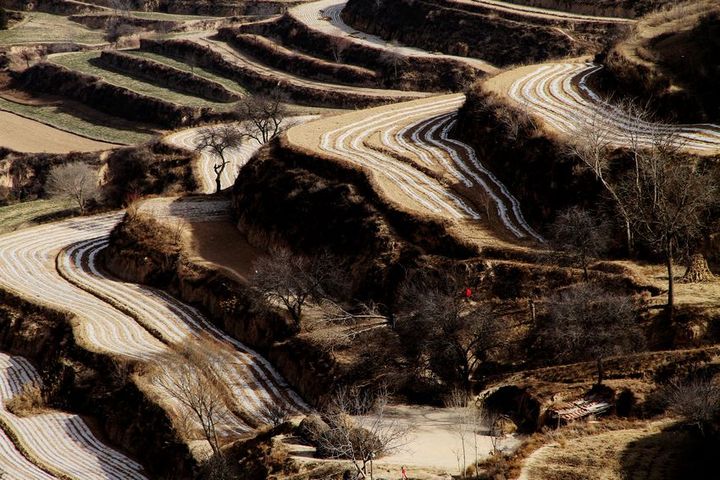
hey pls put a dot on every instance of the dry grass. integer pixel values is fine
(684, 12)
(30, 401)
(26, 214)
(643, 451)
(40, 27)
(673, 19)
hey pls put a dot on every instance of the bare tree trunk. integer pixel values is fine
(600, 371)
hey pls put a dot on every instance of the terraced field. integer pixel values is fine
(27, 214)
(324, 16)
(81, 62)
(57, 443)
(129, 321)
(407, 148)
(199, 71)
(262, 70)
(559, 94)
(57, 117)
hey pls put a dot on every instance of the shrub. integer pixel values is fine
(3, 19)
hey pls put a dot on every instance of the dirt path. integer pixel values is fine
(24, 135)
(324, 16)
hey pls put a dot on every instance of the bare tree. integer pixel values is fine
(218, 140)
(365, 437)
(576, 233)
(671, 201)
(591, 145)
(463, 423)
(262, 117)
(697, 401)
(191, 60)
(117, 29)
(585, 322)
(447, 335)
(193, 380)
(394, 58)
(294, 280)
(75, 181)
(28, 55)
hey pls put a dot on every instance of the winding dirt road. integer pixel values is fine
(559, 94)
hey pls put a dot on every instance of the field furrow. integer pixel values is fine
(409, 149)
(131, 321)
(561, 96)
(59, 442)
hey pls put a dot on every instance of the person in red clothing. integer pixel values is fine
(404, 473)
(467, 294)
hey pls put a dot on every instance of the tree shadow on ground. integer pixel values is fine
(673, 453)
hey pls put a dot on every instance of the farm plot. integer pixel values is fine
(407, 148)
(270, 74)
(56, 116)
(59, 442)
(40, 27)
(133, 322)
(81, 62)
(14, 217)
(199, 71)
(560, 95)
(25, 135)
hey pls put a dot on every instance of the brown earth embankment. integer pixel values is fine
(263, 82)
(298, 63)
(608, 8)
(488, 36)
(141, 251)
(420, 73)
(166, 76)
(108, 98)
